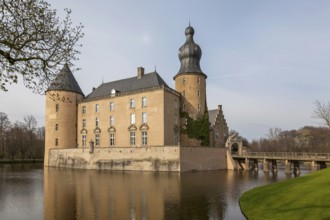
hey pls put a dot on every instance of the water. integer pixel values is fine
(27, 191)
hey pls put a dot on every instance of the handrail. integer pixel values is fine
(288, 155)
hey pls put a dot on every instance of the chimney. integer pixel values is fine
(140, 71)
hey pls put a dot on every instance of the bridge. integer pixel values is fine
(292, 160)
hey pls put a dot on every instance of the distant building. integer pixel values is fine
(141, 111)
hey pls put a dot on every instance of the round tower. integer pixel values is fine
(62, 99)
(190, 81)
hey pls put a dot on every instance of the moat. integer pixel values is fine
(28, 191)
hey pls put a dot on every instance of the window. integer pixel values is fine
(132, 138)
(198, 80)
(56, 127)
(184, 93)
(144, 117)
(184, 80)
(96, 122)
(97, 139)
(112, 106)
(112, 120)
(84, 123)
(83, 140)
(132, 118)
(144, 135)
(112, 138)
(199, 108)
(144, 101)
(57, 107)
(56, 141)
(84, 109)
(97, 108)
(131, 103)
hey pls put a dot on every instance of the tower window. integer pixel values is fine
(97, 107)
(96, 122)
(84, 123)
(132, 137)
(144, 135)
(112, 120)
(84, 109)
(198, 80)
(184, 80)
(56, 127)
(199, 107)
(57, 107)
(56, 141)
(131, 103)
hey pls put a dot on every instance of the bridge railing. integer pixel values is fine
(299, 155)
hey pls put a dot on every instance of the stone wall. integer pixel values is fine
(168, 158)
(202, 158)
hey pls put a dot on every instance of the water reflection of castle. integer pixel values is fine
(132, 195)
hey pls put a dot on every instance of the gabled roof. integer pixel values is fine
(65, 81)
(148, 80)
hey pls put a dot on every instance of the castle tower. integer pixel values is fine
(190, 81)
(62, 98)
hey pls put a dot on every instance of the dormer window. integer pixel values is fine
(113, 92)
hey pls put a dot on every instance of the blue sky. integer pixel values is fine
(266, 61)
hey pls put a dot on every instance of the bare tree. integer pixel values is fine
(31, 125)
(34, 43)
(4, 126)
(322, 112)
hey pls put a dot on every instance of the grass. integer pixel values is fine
(306, 197)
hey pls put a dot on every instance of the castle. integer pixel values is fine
(137, 123)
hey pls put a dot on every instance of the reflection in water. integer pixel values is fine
(29, 192)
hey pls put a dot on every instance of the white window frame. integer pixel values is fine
(132, 103)
(112, 138)
(97, 122)
(112, 106)
(144, 101)
(83, 140)
(132, 118)
(97, 139)
(132, 137)
(84, 123)
(84, 109)
(112, 120)
(144, 138)
(144, 117)
(97, 108)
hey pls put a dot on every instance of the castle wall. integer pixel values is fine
(202, 158)
(160, 110)
(168, 158)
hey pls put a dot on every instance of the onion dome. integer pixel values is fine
(190, 54)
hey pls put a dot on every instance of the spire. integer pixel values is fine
(65, 81)
(190, 54)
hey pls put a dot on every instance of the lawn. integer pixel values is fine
(306, 197)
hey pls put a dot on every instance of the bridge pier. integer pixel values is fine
(296, 169)
(247, 164)
(287, 167)
(266, 166)
(315, 166)
(255, 165)
(274, 166)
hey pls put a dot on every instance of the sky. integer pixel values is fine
(266, 61)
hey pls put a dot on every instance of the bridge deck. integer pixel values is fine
(284, 156)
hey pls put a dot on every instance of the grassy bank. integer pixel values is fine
(306, 197)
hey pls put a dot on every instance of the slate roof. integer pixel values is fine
(65, 81)
(148, 80)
